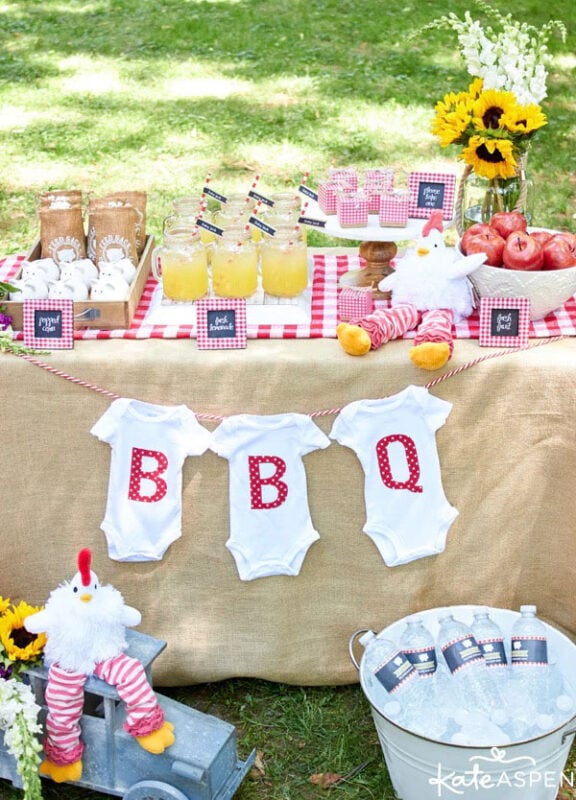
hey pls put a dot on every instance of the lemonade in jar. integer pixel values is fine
(284, 262)
(235, 264)
(181, 265)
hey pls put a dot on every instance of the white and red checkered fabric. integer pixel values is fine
(327, 270)
(346, 177)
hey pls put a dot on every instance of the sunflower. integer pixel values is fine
(524, 119)
(453, 116)
(4, 604)
(19, 645)
(489, 108)
(490, 158)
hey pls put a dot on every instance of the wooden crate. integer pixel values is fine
(102, 315)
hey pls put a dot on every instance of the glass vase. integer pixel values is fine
(483, 197)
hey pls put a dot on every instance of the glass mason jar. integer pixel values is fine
(235, 264)
(181, 265)
(185, 211)
(284, 262)
(483, 197)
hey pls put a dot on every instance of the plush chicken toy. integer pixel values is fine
(430, 291)
(85, 624)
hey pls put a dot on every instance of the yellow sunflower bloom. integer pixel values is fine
(453, 116)
(490, 106)
(4, 604)
(490, 158)
(476, 88)
(524, 119)
(19, 645)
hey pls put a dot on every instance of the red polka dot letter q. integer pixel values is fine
(411, 460)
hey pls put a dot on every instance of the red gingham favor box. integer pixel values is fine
(346, 176)
(393, 212)
(352, 209)
(327, 193)
(355, 303)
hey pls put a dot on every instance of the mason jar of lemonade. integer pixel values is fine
(185, 211)
(235, 264)
(181, 265)
(284, 262)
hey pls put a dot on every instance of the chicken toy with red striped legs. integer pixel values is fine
(430, 291)
(85, 624)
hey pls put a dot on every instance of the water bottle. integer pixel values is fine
(391, 677)
(529, 657)
(417, 644)
(490, 640)
(477, 689)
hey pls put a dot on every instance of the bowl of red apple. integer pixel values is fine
(522, 262)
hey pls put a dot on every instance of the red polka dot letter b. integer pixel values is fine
(138, 475)
(257, 481)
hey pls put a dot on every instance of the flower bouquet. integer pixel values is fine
(495, 120)
(18, 708)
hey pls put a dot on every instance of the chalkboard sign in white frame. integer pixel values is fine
(429, 191)
(221, 323)
(48, 324)
(504, 322)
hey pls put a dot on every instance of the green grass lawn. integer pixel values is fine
(107, 95)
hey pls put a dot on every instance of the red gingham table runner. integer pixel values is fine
(323, 320)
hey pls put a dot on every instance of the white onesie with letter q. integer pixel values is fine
(270, 525)
(407, 513)
(149, 444)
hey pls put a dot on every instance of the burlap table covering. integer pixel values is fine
(508, 456)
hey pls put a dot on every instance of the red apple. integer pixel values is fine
(507, 222)
(490, 243)
(560, 251)
(542, 236)
(521, 251)
(477, 227)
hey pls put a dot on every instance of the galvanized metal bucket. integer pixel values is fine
(428, 769)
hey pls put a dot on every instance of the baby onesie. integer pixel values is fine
(270, 525)
(407, 513)
(149, 444)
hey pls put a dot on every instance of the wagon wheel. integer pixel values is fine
(153, 790)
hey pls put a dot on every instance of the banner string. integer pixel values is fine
(325, 412)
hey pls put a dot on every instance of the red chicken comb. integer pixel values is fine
(84, 558)
(434, 223)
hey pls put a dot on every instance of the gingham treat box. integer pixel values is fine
(347, 177)
(393, 212)
(327, 194)
(354, 303)
(352, 209)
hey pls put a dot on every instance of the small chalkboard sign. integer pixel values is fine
(221, 323)
(504, 321)
(430, 191)
(48, 324)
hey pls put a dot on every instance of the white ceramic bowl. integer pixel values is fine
(547, 289)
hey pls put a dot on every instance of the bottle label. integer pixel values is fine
(423, 659)
(461, 653)
(493, 652)
(529, 650)
(395, 672)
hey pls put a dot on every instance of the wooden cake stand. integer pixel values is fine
(378, 247)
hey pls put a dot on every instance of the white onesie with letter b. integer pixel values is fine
(149, 444)
(270, 525)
